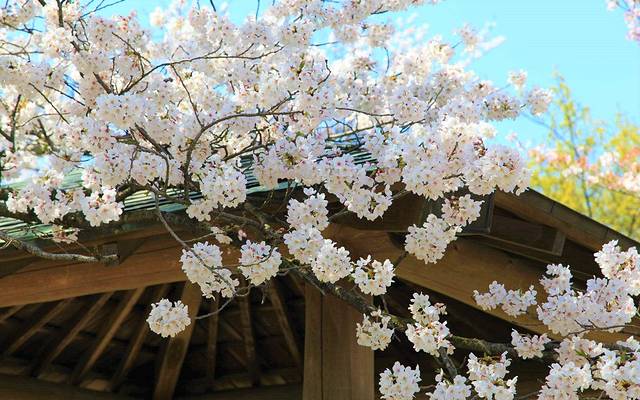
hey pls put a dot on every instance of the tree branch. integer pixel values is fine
(38, 252)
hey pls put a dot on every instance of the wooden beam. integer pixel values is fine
(212, 340)
(335, 366)
(45, 313)
(289, 392)
(108, 330)
(465, 267)
(8, 268)
(157, 261)
(284, 319)
(529, 234)
(244, 303)
(534, 206)
(135, 343)
(23, 388)
(75, 280)
(65, 337)
(175, 348)
(532, 240)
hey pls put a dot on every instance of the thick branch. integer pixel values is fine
(38, 252)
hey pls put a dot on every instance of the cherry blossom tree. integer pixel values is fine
(186, 110)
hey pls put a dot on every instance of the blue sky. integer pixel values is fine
(580, 39)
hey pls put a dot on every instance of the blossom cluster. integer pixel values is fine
(528, 346)
(400, 383)
(374, 332)
(445, 390)
(488, 377)
(167, 318)
(429, 242)
(427, 333)
(259, 262)
(373, 277)
(512, 302)
(607, 303)
(202, 264)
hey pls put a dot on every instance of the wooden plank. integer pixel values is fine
(284, 319)
(154, 264)
(175, 348)
(82, 279)
(69, 334)
(135, 343)
(105, 335)
(45, 313)
(212, 340)
(244, 303)
(23, 388)
(312, 380)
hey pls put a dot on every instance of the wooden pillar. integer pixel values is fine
(335, 366)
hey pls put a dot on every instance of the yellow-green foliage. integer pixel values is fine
(576, 142)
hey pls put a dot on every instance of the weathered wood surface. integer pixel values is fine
(155, 262)
(335, 366)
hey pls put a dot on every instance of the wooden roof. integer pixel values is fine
(83, 325)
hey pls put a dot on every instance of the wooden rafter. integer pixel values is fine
(175, 348)
(69, 334)
(229, 328)
(6, 314)
(135, 344)
(45, 313)
(105, 335)
(533, 206)
(244, 303)
(284, 319)
(212, 340)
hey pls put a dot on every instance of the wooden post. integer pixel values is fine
(335, 366)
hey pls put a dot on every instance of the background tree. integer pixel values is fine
(590, 166)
